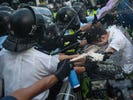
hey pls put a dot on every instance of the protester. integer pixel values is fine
(116, 41)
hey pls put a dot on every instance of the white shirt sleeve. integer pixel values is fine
(53, 62)
(117, 44)
(48, 64)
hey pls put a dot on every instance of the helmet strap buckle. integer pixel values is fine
(34, 28)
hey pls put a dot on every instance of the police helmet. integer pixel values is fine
(5, 4)
(22, 23)
(6, 8)
(67, 16)
(22, 5)
(26, 21)
(45, 11)
(46, 7)
(31, 3)
(49, 39)
(27, 27)
(5, 18)
(81, 9)
(15, 4)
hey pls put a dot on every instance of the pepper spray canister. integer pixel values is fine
(73, 79)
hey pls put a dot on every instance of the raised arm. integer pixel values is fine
(107, 8)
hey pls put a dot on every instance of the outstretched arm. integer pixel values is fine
(63, 70)
(37, 88)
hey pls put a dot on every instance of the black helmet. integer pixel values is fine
(49, 41)
(47, 8)
(5, 4)
(45, 11)
(52, 31)
(31, 3)
(27, 27)
(22, 5)
(66, 16)
(5, 18)
(27, 20)
(22, 23)
(15, 4)
(46, 15)
(81, 9)
(6, 8)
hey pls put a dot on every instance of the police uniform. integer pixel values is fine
(67, 18)
(25, 68)
(22, 65)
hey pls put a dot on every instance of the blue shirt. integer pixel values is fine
(2, 39)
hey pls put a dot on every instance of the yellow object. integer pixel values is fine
(66, 43)
(92, 13)
(71, 32)
(42, 1)
(71, 51)
(55, 15)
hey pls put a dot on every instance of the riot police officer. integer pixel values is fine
(21, 64)
(81, 9)
(68, 22)
(5, 14)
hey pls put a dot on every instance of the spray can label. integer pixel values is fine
(73, 79)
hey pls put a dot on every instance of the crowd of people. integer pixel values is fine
(39, 41)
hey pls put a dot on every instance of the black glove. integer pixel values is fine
(63, 69)
(90, 65)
